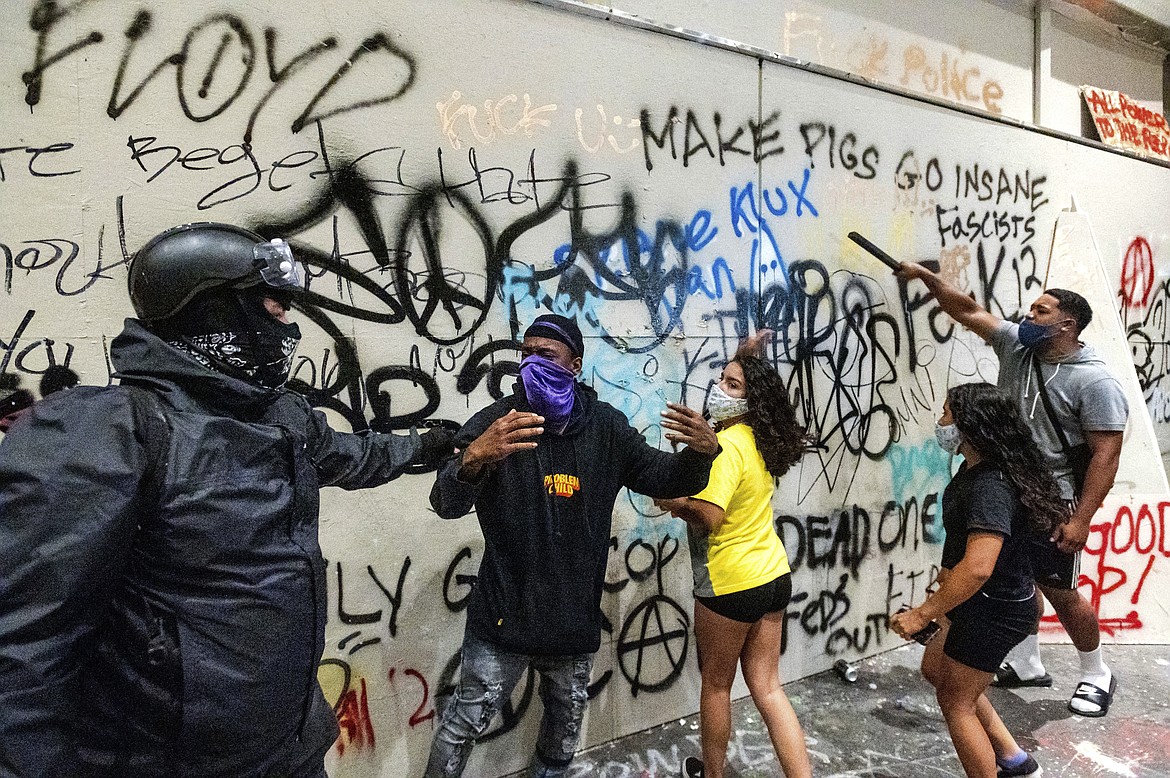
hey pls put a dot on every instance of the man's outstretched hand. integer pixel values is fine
(908, 271)
(688, 426)
(508, 434)
(754, 345)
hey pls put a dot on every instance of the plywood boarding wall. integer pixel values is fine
(456, 168)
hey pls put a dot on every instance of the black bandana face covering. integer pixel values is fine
(264, 357)
(234, 333)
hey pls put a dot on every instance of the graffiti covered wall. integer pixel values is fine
(1144, 292)
(451, 170)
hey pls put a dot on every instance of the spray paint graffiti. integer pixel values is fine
(1137, 274)
(1123, 551)
(438, 214)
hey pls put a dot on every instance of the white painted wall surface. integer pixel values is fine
(1077, 58)
(979, 56)
(982, 47)
(454, 111)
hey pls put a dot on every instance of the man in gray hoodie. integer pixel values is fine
(1078, 413)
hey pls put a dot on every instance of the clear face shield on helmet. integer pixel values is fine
(274, 260)
(202, 287)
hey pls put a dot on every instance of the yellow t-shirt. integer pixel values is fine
(744, 551)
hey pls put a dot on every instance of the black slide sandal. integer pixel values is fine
(1096, 695)
(1007, 678)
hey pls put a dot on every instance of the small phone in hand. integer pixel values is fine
(924, 635)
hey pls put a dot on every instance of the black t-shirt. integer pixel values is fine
(981, 498)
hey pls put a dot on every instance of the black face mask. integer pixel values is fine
(264, 357)
(232, 332)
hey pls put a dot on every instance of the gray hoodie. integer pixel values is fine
(1085, 395)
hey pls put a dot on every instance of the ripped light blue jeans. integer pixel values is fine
(487, 676)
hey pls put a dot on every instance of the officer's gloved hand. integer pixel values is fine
(438, 444)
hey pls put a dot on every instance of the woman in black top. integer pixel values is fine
(984, 600)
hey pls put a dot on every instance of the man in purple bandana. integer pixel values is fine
(542, 468)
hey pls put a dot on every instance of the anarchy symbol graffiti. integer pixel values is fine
(658, 629)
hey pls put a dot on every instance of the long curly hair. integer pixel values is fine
(991, 423)
(780, 438)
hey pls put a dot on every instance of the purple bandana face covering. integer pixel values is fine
(550, 390)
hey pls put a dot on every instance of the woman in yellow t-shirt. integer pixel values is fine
(742, 578)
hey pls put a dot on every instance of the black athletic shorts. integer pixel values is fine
(983, 630)
(751, 605)
(1051, 566)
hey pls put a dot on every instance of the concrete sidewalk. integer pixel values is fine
(887, 725)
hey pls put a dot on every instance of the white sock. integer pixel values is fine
(1094, 671)
(1025, 658)
(1093, 668)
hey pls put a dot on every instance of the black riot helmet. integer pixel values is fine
(182, 262)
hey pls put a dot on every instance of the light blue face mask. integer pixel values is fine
(948, 437)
